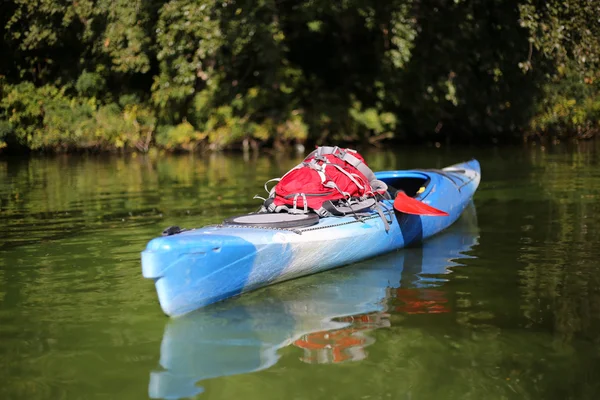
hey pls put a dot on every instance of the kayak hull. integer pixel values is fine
(195, 268)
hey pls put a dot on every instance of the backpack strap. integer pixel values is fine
(323, 150)
(376, 184)
(269, 206)
(345, 155)
(349, 207)
(329, 208)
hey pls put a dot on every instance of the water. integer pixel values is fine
(505, 304)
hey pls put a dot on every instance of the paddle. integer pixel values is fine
(408, 205)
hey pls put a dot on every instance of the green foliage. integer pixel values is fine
(188, 37)
(46, 118)
(567, 32)
(180, 137)
(5, 132)
(124, 38)
(279, 72)
(382, 125)
(567, 35)
(90, 84)
(570, 106)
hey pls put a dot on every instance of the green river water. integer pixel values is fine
(505, 305)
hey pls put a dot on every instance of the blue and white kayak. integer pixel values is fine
(246, 334)
(194, 268)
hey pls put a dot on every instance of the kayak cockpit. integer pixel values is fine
(412, 183)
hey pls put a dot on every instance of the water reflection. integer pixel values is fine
(342, 345)
(328, 316)
(522, 320)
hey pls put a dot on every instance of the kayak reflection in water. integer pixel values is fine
(422, 301)
(330, 316)
(348, 344)
(341, 345)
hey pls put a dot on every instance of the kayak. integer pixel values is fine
(194, 268)
(328, 316)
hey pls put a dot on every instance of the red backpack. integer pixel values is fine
(330, 181)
